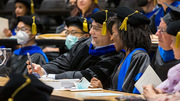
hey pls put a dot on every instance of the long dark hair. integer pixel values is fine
(13, 22)
(135, 36)
(77, 12)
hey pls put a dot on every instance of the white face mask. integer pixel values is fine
(22, 37)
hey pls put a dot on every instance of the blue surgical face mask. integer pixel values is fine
(70, 41)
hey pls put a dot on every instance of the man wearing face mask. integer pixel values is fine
(89, 57)
(26, 39)
(149, 7)
(75, 30)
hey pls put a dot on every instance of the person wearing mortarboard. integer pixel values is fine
(156, 18)
(22, 8)
(89, 57)
(25, 88)
(27, 29)
(130, 31)
(149, 7)
(84, 8)
(172, 83)
(74, 32)
(164, 58)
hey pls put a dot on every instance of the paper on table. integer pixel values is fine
(148, 77)
(100, 94)
(3, 24)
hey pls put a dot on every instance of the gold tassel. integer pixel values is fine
(34, 28)
(155, 2)
(32, 7)
(177, 40)
(96, 1)
(124, 23)
(104, 27)
(85, 25)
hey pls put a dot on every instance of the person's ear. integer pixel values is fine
(87, 35)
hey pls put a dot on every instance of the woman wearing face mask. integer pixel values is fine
(85, 7)
(22, 8)
(26, 39)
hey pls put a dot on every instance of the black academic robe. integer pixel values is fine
(139, 62)
(18, 62)
(79, 63)
(161, 67)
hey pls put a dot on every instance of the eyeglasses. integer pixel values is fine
(162, 30)
(22, 29)
(72, 32)
(96, 28)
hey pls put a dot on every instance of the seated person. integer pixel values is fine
(74, 32)
(172, 83)
(89, 57)
(149, 7)
(21, 8)
(135, 39)
(164, 58)
(26, 38)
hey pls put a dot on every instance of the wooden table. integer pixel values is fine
(60, 95)
(13, 42)
(81, 96)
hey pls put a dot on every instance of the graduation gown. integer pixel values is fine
(161, 67)
(79, 63)
(19, 58)
(138, 64)
(156, 18)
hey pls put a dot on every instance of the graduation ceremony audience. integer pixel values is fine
(137, 59)
(26, 38)
(164, 58)
(172, 83)
(156, 18)
(90, 57)
(110, 48)
(149, 7)
(22, 8)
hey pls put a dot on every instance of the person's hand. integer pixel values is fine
(149, 92)
(37, 68)
(7, 32)
(96, 83)
(50, 49)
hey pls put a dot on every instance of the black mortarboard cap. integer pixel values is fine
(29, 4)
(25, 88)
(133, 17)
(100, 16)
(173, 15)
(28, 20)
(78, 22)
(26, 2)
(174, 29)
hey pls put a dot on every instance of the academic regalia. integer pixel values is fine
(160, 66)
(25, 88)
(148, 15)
(137, 65)
(80, 62)
(163, 59)
(137, 60)
(94, 11)
(156, 18)
(19, 58)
